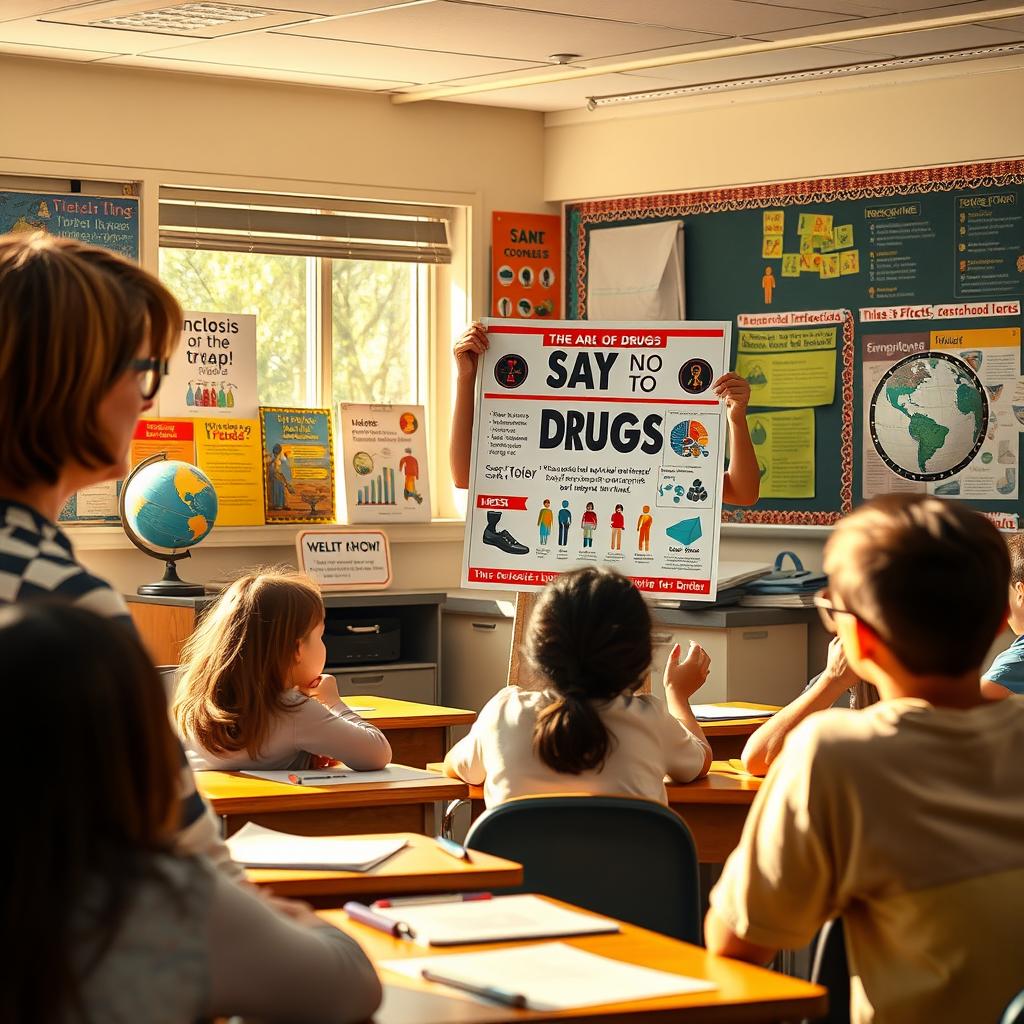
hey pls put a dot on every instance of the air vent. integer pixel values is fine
(183, 18)
(199, 19)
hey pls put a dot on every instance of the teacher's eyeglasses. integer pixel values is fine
(150, 372)
(828, 611)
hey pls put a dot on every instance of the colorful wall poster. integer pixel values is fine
(229, 452)
(384, 453)
(175, 437)
(109, 221)
(784, 446)
(600, 444)
(298, 465)
(526, 265)
(213, 369)
(791, 368)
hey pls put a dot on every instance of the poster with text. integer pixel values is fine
(109, 221)
(384, 454)
(600, 444)
(526, 265)
(229, 452)
(298, 465)
(213, 369)
(174, 438)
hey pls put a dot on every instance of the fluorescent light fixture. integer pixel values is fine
(845, 70)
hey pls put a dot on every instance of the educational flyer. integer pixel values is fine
(109, 221)
(384, 454)
(526, 257)
(95, 504)
(152, 437)
(213, 369)
(598, 444)
(229, 452)
(298, 465)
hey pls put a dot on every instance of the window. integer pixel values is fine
(340, 290)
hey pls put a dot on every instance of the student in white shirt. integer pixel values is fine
(251, 693)
(586, 730)
(107, 919)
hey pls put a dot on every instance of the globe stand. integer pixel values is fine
(172, 585)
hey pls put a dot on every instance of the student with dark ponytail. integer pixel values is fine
(583, 728)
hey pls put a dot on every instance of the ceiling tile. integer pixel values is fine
(496, 31)
(52, 52)
(720, 17)
(937, 40)
(328, 56)
(78, 37)
(12, 10)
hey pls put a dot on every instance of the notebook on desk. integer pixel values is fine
(257, 847)
(342, 775)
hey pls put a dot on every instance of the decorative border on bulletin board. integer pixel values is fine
(582, 216)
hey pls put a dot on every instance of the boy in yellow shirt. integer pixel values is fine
(906, 818)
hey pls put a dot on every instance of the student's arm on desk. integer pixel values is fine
(325, 724)
(765, 744)
(682, 679)
(720, 939)
(465, 761)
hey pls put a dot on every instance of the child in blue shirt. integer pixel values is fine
(1005, 676)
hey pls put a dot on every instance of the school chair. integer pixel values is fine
(630, 859)
(830, 968)
(1014, 1013)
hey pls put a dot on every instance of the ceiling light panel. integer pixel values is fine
(497, 31)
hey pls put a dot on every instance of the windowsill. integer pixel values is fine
(104, 537)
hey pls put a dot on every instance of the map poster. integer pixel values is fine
(213, 369)
(109, 221)
(384, 458)
(228, 451)
(598, 444)
(526, 263)
(298, 465)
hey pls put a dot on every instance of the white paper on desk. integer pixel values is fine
(257, 847)
(716, 713)
(502, 919)
(341, 776)
(554, 976)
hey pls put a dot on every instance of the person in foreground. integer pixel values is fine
(907, 818)
(111, 924)
(585, 729)
(85, 336)
(252, 693)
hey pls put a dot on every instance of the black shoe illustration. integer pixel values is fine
(504, 541)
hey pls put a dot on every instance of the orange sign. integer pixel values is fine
(526, 265)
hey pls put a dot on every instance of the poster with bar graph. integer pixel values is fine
(384, 452)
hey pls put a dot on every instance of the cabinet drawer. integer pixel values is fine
(415, 684)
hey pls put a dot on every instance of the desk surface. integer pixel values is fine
(389, 713)
(419, 868)
(232, 793)
(744, 993)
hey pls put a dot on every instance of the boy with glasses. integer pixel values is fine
(907, 818)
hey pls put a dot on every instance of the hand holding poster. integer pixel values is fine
(598, 444)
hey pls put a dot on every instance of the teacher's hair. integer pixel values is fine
(92, 795)
(72, 318)
(590, 639)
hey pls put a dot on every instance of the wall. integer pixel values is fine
(931, 116)
(158, 128)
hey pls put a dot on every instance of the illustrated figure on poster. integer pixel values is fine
(279, 478)
(544, 520)
(564, 522)
(411, 468)
(589, 523)
(643, 527)
(618, 522)
(768, 284)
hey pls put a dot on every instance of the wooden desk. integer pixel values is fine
(418, 733)
(350, 809)
(714, 808)
(420, 868)
(744, 992)
(728, 736)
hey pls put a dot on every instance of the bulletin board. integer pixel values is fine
(909, 257)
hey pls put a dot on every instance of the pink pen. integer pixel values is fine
(409, 901)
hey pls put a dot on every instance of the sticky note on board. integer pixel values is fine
(773, 222)
(806, 244)
(823, 243)
(791, 264)
(843, 235)
(849, 262)
(805, 224)
(686, 531)
(829, 265)
(822, 224)
(771, 247)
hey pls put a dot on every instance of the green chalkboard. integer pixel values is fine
(941, 247)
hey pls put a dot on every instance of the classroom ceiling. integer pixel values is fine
(493, 51)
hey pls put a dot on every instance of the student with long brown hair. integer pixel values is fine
(252, 693)
(84, 340)
(586, 729)
(106, 922)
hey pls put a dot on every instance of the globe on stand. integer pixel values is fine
(167, 507)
